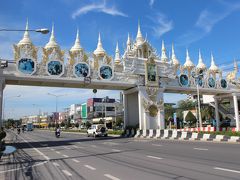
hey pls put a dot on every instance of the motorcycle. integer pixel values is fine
(57, 134)
(18, 130)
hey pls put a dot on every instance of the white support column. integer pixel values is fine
(140, 111)
(216, 113)
(2, 85)
(235, 100)
(125, 110)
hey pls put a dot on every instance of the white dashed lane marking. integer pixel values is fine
(66, 172)
(116, 150)
(90, 167)
(229, 170)
(56, 164)
(58, 152)
(75, 160)
(66, 156)
(111, 177)
(154, 157)
(157, 145)
(201, 149)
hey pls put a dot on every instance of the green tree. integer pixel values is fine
(62, 124)
(190, 118)
(119, 121)
(168, 111)
(184, 105)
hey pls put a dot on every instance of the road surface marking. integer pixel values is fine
(201, 149)
(75, 160)
(55, 164)
(58, 152)
(16, 169)
(90, 167)
(75, 146)
(66, 147)
(117, 150)
(93, 145)
(66, 172)
(154, 157)
(39, 152)
(65, 155)
(111, 177)
(52, 149)
(157, 145)
(229, 170)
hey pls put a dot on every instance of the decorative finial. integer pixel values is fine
(52, 42)
(213, 68)
(164, 55)
(77, 46)
(139, 38)
(117, 55)
(99, 51)
(25, 40)
(201, 65)
(174, 58)
(188, 63)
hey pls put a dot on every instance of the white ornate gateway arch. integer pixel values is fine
(140, 73)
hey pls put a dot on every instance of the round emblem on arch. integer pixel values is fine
(211, 82)
(199, 80)
(106, 72)
(81, 69)
(55, 68)
(26, 66)
(223, 83)
(183, 80)
(153, 110)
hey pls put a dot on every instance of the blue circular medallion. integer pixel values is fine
(223, 83)
(26, 66)
(199, 81)
(211, 82)
(106, 72)
(81, 70)
(54, 68)
(183, 79)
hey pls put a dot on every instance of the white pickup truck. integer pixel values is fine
(97, 130)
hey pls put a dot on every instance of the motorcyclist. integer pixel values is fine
(23, 129)
(57, 131)
(18, 130)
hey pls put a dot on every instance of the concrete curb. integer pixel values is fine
(184, 135)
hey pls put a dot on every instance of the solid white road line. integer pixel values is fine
(229, 170)
(157, 145)
(65, 155)
(111, 177)
(56, 164)
(66, 172)
(154, 157)
(90, 167)
(39, 152)
(75, 160)
(201, 149)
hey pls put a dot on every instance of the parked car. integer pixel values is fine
(97, 130)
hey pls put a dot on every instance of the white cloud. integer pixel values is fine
(101, 7)
(151, 2)
(162, 24)
(208, 19)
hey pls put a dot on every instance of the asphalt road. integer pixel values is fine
(42, 156)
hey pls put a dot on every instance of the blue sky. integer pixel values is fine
(209, 25)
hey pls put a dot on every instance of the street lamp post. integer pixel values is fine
(56, 96)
